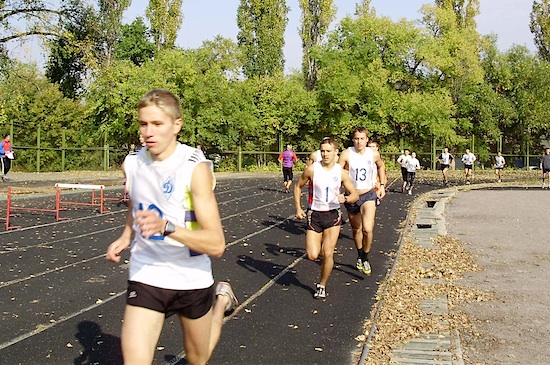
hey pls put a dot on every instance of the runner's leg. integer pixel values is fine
(140, 333)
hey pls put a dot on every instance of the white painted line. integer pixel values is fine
(42, 328)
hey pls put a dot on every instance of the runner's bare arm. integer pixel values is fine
(302, 181)
(382, 173)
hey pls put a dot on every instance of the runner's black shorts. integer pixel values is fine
(404, 173)
(354, 208)
(319, 221)
(191, 304)
(444, 166)
(287, 174)
(469, 167)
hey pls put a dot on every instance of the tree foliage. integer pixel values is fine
(73, 52)
(316, 18)
(165, 18)
(110, 12)
(262, 24)
(409, 83)
(135, 43)
(540, 27)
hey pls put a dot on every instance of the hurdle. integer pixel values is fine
(10, 208)
(59, 203)
(125, 198)
(92, 187)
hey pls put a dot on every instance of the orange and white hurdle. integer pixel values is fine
(59, 203)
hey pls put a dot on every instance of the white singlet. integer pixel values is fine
(324, 190)
(361, 168)
(446, 158)
(164, 187)
(468, 158)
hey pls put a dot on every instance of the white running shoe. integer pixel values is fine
(224, 288)
(359, 264)
(320, 293)
(366, 268)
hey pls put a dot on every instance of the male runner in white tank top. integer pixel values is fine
(174, 217)
(360, 160)
(324, 216)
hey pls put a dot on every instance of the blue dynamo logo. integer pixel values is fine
(168, 186)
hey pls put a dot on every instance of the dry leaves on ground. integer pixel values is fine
(401, 318)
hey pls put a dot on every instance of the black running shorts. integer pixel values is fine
(287, 174)
(191, 304)
(319, 221)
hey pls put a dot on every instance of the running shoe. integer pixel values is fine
(366, 268)
(224, 288)
(359, 264)
(410, 192)
(320, 293)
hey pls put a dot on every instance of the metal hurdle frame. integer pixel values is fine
(58, 203)
(10, 208)
(92, 187)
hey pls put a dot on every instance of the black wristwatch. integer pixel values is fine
(169, 228)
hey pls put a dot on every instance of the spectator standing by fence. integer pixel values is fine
(6, 155)
(287, 160)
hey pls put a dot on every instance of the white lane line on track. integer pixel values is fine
(240, 198)
(33, 276)
(7, 283)
(263, 289)
(47, 244)
(43, 328)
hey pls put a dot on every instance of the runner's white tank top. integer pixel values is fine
(324, 190)
(361, 168)
(445, 158)
(164, 187)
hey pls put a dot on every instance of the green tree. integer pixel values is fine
(110, 12)
(316, 18)
(262, 25)
(37, 104)
(540, 27)
(72, 54)
(165, 18)
(134, 43)
(465, 11)
(20, 19)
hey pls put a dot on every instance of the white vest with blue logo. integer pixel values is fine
(164, 187)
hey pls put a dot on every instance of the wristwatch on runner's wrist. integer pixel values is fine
(169, 228)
